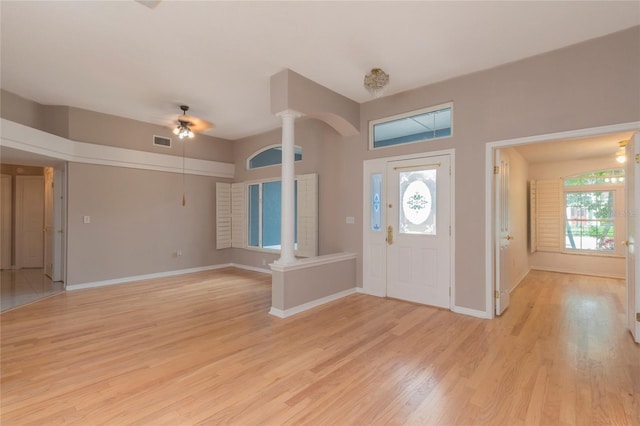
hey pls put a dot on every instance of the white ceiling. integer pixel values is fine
(125, 59)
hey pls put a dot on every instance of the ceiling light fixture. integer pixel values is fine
(620, 155)
(184, 127)
(375, 81)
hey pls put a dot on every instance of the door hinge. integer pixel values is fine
(496, 170)
(638, 316)
(637, 158)
(497, 294)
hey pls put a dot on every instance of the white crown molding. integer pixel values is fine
(25, 138)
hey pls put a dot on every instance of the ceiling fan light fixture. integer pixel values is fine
(184, 127)
(376, 81)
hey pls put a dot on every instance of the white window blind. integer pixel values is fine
(232, 215)
(533, 241)
(223, 215)
(549, 215)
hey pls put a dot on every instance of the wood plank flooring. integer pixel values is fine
(201, 349)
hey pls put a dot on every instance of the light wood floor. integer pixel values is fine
(202, 349)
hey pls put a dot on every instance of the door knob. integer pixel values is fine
(509, 237)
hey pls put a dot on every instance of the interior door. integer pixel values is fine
(633, 227)
(503, 229)
(48, 222)
(5, 222)
(29, 221)
(419, 231)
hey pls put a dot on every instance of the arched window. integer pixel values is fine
(270, 156)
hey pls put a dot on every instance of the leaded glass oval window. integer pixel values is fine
(417, 198)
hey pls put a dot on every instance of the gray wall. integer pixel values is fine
(138, 223)
(591, 84)
(587, 85)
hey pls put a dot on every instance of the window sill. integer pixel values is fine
(593, 253)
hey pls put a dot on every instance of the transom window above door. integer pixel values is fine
(415, 126)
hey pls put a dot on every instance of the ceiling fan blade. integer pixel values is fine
(198, 125)
(151, 4)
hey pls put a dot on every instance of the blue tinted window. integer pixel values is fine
(271, 157)
(376, 202)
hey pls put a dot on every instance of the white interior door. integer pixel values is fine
(59, 214)
(48, 222)
(29, 221)
(419, 231)
(5, 222)
(503, 229)
(633, 228)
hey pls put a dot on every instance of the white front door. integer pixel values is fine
(503, 229)
(418, 230)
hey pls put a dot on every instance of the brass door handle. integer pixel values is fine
(509, 237)
(389, 234)
(627, 243)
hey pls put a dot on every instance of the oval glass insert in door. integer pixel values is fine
(418, 201)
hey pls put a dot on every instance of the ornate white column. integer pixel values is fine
(287, 218)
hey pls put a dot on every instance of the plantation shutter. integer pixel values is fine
(238, 211)
(550, 215)
(307, 215)
(533, 241)
(223, 215)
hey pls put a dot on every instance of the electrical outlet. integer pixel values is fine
(179, 253)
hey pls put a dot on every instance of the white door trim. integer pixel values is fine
(379, 165)
(489, 198)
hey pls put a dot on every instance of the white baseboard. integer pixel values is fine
(125, 280)
(309, 305)
(471, 312)
(251, 268)
(570, 271)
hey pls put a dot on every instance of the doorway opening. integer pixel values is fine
(547, 159)
(33, 220)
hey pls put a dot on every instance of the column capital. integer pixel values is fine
(289, 113)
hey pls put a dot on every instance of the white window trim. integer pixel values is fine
(618, 220)
(405, 115)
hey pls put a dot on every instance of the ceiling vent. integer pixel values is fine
(160, 141)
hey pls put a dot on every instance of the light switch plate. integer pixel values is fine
(86, 219)
(351, 220)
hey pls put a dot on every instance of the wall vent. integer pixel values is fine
(160, 141)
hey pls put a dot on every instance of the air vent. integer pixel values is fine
(160, 141)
